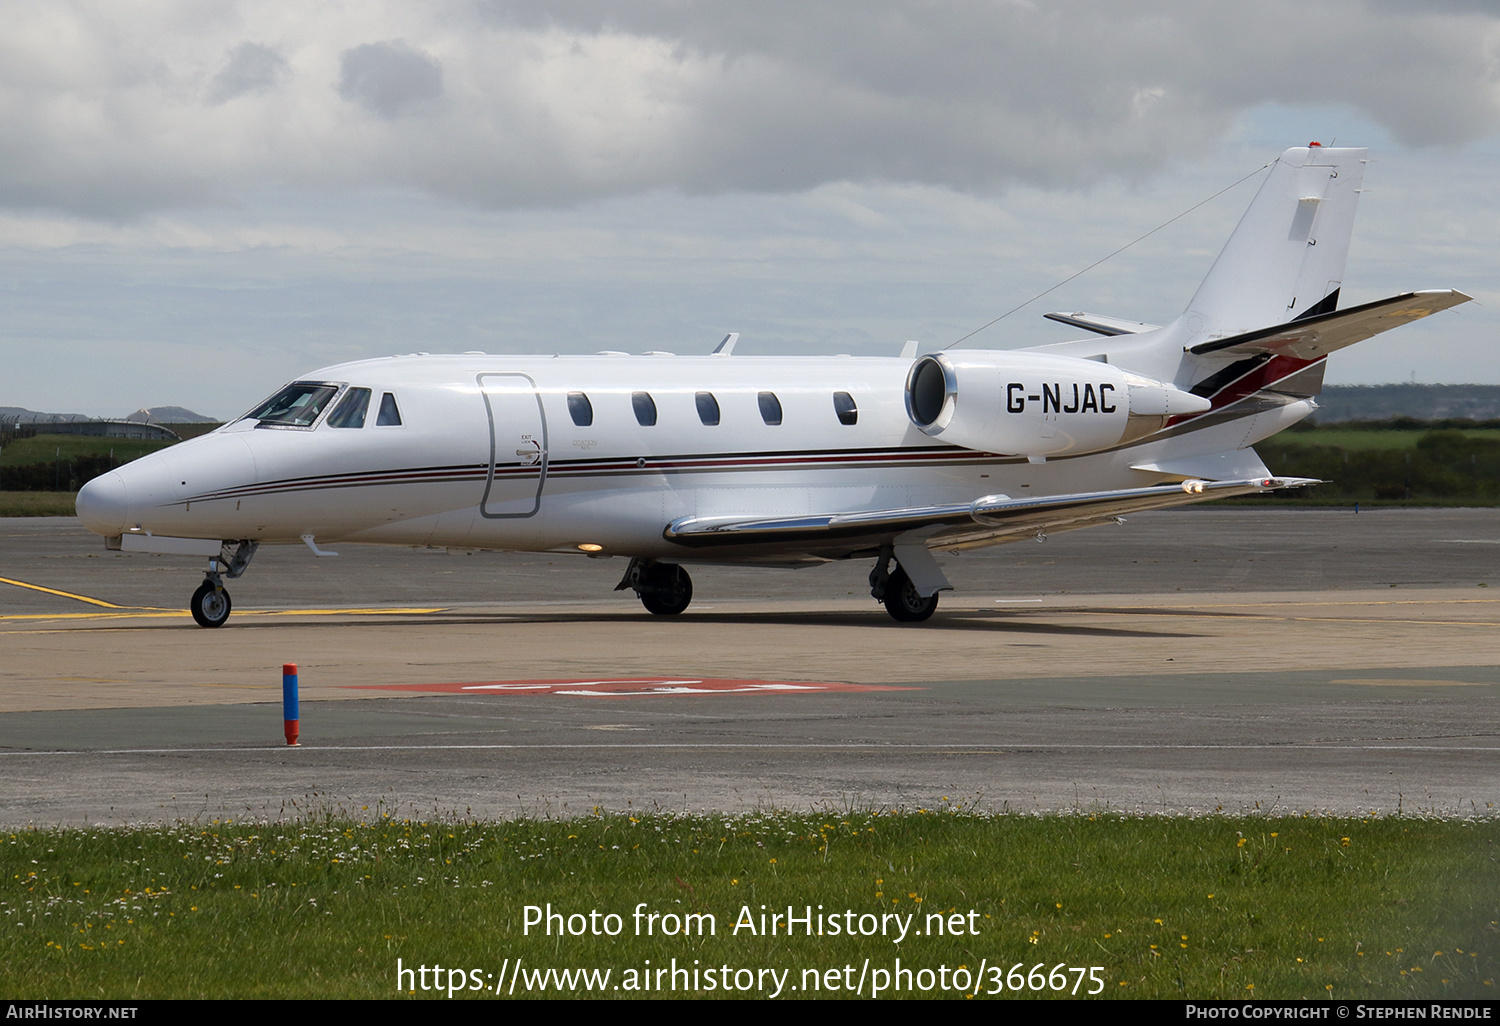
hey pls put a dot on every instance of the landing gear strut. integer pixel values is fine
(663, 588)
(210, 604)
(895, 589)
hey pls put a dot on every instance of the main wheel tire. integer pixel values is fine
(210, 605)
(903, 602)
(667, 589)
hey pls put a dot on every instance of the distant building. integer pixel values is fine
(67, 424)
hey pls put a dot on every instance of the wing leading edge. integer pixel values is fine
(989, 520)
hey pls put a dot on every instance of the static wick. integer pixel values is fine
(289, 702)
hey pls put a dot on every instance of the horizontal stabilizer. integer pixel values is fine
(1321, 334)
(989, 520)
(1101, 325)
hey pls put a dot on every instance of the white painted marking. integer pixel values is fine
(692, 691)
(573, 684)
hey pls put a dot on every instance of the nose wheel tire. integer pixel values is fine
(667, 589)
(210, 605)
(903, 602)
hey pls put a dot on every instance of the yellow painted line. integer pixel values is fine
(124, 615)
(151, 612)
(64, 594)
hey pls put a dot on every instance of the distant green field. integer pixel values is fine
(1360, 439)
(1446, 466)
(44, 448)
(37, 504)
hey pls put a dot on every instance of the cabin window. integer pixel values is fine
(580, 409)
(846, 408)
(770, 408)
(645, 408)
(296, 405)
(389, 415)
(708, 409)
(350, 412)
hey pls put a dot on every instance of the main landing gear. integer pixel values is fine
(894, 588)
(663, 588)
(210, 604)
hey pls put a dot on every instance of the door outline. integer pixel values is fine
(486, 383)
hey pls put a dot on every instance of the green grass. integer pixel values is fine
(45, 448)
(1354, 439)
(1283, 907)
(37, 504)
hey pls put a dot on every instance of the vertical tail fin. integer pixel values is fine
(1286, 258)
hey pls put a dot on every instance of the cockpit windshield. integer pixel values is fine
(296, 405)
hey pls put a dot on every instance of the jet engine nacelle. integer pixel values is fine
(1032, 404)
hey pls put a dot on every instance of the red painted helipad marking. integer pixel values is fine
(634, 687)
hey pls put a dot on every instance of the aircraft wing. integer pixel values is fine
(1313, 337)
(989, 520)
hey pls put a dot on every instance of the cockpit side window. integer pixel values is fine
(389, 415)
(350, 412)
(296, 405)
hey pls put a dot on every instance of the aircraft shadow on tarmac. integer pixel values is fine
(1001, 621)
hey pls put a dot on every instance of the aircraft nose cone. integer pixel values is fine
(103, 504)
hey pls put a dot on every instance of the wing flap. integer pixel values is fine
(988, 520)
(1312, 337)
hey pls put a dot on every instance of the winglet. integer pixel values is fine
(726, 347)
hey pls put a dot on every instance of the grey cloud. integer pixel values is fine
(251, 68)
(552, 103)
(389, 78)
(1427, 71)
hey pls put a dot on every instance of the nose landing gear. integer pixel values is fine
(210, 604)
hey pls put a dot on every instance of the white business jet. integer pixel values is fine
(785, 461)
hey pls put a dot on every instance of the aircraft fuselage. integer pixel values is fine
(550, 453)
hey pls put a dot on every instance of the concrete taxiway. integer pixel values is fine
(1191, 660)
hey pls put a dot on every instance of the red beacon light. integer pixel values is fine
(1315, 143)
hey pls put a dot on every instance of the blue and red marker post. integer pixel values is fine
(289, 701)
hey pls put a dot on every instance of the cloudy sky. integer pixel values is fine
(200, 199)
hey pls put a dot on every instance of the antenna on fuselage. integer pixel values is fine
(726, 347)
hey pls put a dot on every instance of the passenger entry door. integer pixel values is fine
(518, 446)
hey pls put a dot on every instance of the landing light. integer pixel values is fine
(590, 547)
